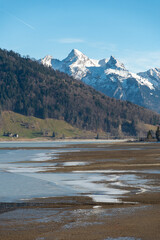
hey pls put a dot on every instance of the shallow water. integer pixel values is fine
(51, 143)
(23, 176)
(27, 185)
(58, 214)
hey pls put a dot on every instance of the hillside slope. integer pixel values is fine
(31, 89)
(32, 127)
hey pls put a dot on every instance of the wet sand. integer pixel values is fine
(137, 214)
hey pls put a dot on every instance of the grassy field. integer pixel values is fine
(31, 127)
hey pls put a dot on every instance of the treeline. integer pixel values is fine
(29, 88)
(151, 135)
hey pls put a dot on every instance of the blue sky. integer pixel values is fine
(126, 29)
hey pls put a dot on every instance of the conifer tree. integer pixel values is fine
(158, 133)
(149, 135)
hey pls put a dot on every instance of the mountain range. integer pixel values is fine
(31, 89)
(110, 77)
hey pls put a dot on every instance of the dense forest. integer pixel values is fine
(29, 88)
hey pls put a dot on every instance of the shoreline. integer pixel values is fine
(65, 140)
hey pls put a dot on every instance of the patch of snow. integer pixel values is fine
(115, 64)
(97, 206)
(153, 76)
(104, 198)
(69, 164)
(103, 62)
(28, 169)
(47, 61)
(41, 157)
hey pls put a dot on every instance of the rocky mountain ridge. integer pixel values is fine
(111, 78)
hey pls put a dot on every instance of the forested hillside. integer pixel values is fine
(31, 89)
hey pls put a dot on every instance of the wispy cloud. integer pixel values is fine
(71, 40)
(26, 24)
(20, 20)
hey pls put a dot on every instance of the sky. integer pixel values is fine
(127, 29)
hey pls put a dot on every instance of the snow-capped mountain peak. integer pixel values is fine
(77, 58)
(111, 78)
(115, 64)
(74, 55)
(76, 52)
(47, 61)
(77, 64)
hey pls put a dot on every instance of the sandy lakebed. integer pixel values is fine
(84, 190)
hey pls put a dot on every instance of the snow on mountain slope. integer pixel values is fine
(153, 75)
(79, 65)
(111, 78)
(115, 64)
(75, 64)
(47, 61)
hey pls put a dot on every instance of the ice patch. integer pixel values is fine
(104, 198)
(69, 164)
(28, 170)
(42, 157)
(95, 207)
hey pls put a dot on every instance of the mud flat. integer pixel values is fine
(98, 191)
